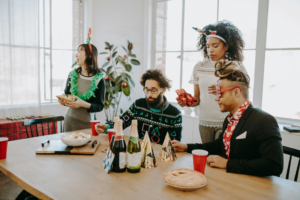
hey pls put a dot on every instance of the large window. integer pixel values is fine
(176, 41)
(38, 42)
(277, 89)
(61, 31)
(281, 95)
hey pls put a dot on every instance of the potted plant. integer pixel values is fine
(118, 81)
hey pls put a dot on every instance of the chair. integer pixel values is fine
(30, 122)
(292, 152)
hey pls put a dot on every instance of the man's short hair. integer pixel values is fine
(232, 72)
(157, 75)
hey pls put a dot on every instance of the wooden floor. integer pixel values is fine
(8, 188)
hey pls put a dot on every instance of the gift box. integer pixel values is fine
(185, 98)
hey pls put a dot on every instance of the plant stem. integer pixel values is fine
(118, 105)
(105, 111)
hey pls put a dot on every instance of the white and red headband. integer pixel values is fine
(213, 34)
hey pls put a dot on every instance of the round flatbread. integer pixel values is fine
(184, 178)
(69, 98)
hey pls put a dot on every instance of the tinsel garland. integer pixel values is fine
(74, 87)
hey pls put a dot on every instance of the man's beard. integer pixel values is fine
(156, 101)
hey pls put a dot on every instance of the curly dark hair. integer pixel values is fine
(157, 75)
(230, 33)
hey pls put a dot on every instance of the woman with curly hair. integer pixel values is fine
(218, 42)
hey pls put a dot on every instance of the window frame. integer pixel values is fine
(260, 50)
(46, 89)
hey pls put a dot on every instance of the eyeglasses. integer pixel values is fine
(153, 90)
(220, 91)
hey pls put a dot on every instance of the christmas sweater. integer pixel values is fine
(169, 121)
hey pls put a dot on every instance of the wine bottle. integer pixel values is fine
(119, 149)
(115, 130)
(134, 155)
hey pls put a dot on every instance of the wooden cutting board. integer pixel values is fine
(58, 147)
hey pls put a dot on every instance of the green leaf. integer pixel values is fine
(123, 63)
(109, 69)
(106, 106)
(103, 53)
(128, 67)
(135, 62)
(116, 89)
(128, 42)
(114, 54)
(102, 70)
(113, 106)
(106, 97)
(132, 55)
(105, 64)
(125, 50)
(115, 49)
(107, 44)
(127, 75)
(110, 98)
(118, 79)
(108, 89)
(126, 90)
(112, 46)
(132, 82)
(111, 75)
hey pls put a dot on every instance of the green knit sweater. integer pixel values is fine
(170, 121)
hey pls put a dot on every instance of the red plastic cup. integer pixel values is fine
(110, 133)
(3, 147)
(93, 123)
(199, 160)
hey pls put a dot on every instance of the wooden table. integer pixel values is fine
(82, 177)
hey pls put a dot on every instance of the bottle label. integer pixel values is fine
(134, 160)
(122, 160)
(119, 137)
(134, 139)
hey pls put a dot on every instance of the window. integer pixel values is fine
(282, 68)
(176, 47)
(61, 34)
(38, 42)
(276, 65)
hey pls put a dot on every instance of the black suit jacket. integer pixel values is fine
(260, 153)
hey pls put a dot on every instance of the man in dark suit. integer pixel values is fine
(250, 142)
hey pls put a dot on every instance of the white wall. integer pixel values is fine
(116, 22)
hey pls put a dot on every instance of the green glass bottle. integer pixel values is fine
(134, 155)
(119, 149)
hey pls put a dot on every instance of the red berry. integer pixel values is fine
(107, 78)
(108, 58)
(125, 56)
(124, 84)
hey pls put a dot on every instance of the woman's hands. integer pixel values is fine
(180, 103)
(61, 102)
(76, 104)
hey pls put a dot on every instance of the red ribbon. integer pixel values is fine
(213, 32)
(185, 98)
(89, 36)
